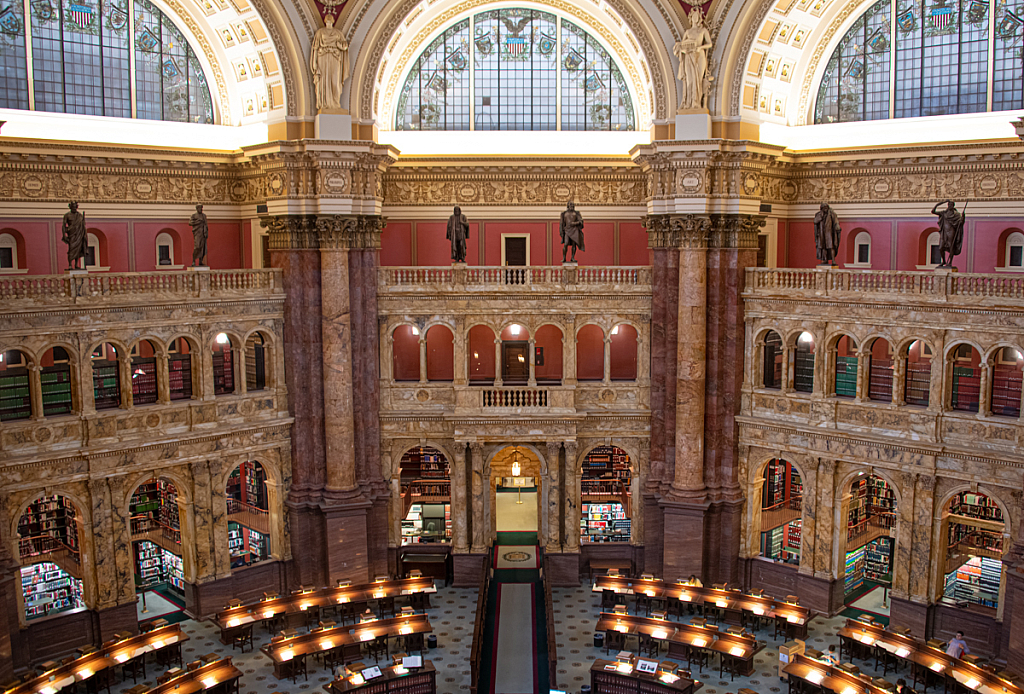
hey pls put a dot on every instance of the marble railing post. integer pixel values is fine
(460, 541)
(533, 363)
(607, 377)
(552, 540)
(824, 520)
(497, 362)
(35, 391)
(572, 499)
(423, 357)
(163, 379)
(479, 526)
(985, 394)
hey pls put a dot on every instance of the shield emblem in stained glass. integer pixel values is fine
(856, 69)
(80, 15)
(515, 46)
(484, 44)
(457, 60)
(977, 11)
(170, 70)
(878, 41)
(118, 18)
(546, 44)
(906, 21)
(593, 83)
(1009, 25)
(10, 22)
(941, 15)
(574, 60)
(147, 40)
(43, 9)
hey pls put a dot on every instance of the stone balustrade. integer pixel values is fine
(898, 285)
(60, 290)
(534, 278)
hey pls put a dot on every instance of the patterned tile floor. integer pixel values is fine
(452, 616)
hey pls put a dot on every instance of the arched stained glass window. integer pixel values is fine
(81, 61)
(522, 70)
(938, 63)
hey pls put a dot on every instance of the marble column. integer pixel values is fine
(35, 391)
(163, 378)
(825, 520)
(552, 541)
(336, 327)
(478, 522)
(460, 540)
(572, 500)
(691, 320)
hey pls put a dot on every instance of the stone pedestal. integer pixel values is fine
(332, 126)
(693, 124)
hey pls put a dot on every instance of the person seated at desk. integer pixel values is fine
(830, 656)
(957, 646)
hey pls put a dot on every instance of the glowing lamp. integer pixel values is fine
(902, 652)
(234, 622)
(700, 643)
(287, 655)
(222, 338)
(357, 679)
(721, 603)
(736, 650)
(815, 677)
(366, 636)
(758, 610)
(209, 682)
(660, 634)
(325, 644)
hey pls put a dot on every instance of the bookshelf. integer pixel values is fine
(919, 380)
(46, 589)
(1006, 385)
(803, 370)
(846, 377)
(966, 388)
(144, 390)
(56, 385)
(179, 376)
(48, 525)
(880, 380)
(605, 495)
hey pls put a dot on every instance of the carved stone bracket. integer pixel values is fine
(304, 232)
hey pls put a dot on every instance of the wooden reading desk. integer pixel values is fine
(610, 677)
(112, 655)
(394, 679)
(927, 662)
(734, 604)
(220, 677)
(804, 671)
(345, 639)
(234, 617)
(681, 637)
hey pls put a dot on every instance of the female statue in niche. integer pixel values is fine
(328, 61)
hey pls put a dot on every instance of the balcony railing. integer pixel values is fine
(897, 284)
(513, 278)
(138, 286)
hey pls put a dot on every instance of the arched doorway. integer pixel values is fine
(515, 474)
(868, 539)
(156, 548)
(781, 512)
(49, 542)
(973, 530)
(606, 506)
(426, 496)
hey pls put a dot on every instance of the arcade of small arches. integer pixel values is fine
(971, 525)
(57, 544)
(976, 377)
(486, 353)
(54, 379)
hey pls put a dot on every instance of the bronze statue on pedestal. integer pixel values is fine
(570, 229)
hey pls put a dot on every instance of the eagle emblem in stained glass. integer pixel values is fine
(80, 15)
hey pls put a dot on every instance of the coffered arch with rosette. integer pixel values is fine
(390, 36)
